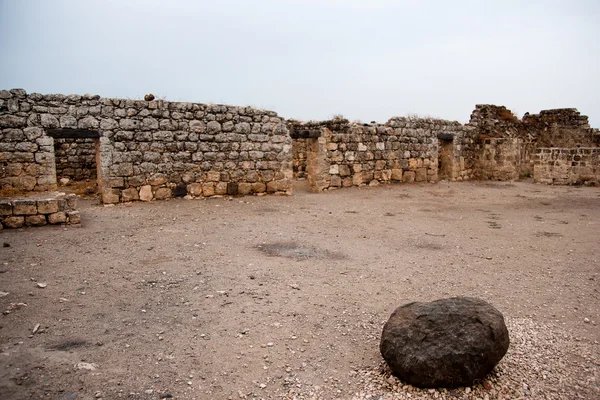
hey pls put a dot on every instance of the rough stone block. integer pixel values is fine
(397, 174)
(408, 177)
(59, 217)
(208, 189)
(74, 217)
(195, 189)
(24, 207)
(146, 193)
(14, 222)
(47, 206)
(221, 188)
(232, 188)
(244, 188)
(163, 193)
(259, 187)
(421, 175)
(72, 201)
(129, 194)
(109, 196)
(35, 220)
(6, 207)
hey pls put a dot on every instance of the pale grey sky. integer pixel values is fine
(311, 59)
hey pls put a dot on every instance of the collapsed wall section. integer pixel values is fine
(507, 145)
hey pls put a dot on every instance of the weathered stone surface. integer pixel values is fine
(146, 193)
(195, 189)
(5, 207)
(445, 343)
(14, 222)
(129, 194)
(24, 207)
(74, 217)
(35, 220)
(163, 193)
(59, 217)
(47, 206)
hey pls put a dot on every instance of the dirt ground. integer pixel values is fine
(285, 296)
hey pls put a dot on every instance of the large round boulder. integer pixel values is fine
(445, 343)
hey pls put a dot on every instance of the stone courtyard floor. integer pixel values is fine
(285, 296)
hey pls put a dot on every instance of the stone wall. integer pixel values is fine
(499, 159)
(346, 154)
(75, 159)
(507, 144)
(26, 153)
(300, 150)
(567, 166)
(53, 208)
(147, 149)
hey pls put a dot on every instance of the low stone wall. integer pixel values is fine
(51, 208)
(560, 166)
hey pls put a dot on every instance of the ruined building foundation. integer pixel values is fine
(144, 150)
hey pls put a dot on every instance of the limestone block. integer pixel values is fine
(208, 189)
(408, 177)
(68, 121)
(336, 181)
(5, 207)
(71, 201)
(344, 170)
(59, 217)
(157, 179)
(129, 194)
(163, 193)
(259, 187)
(24, 207)
(35, 220)
(213, 127)
(213, 176)
(421, 175)
(88, 122)
(33, 133)
(195, 189)
(334, 169)
(244, 188)
(49, 121)
(47, 206)
(413, 164)
(386, 175)
(14, 222)
(357, 179)
(221, 188)
(362, 147)
(146, 193)
(109, 196)
(24, 183)
(74, 217)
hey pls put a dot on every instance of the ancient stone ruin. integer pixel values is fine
(132, 150)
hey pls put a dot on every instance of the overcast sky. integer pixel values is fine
(311, 59)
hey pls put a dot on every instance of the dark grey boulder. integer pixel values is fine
(445, 343)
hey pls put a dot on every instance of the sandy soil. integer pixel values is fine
(285, 297)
